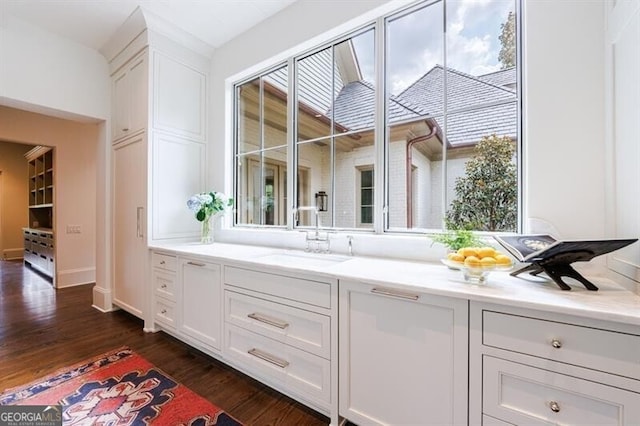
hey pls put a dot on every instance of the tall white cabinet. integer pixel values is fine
(623, 123)
(158, 157)
(129, 218)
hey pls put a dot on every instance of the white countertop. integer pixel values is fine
(612, 302)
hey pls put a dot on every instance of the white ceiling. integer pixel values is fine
(92, 22)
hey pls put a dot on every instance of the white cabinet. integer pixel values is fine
(158, 153)
(538, 368)
(130, 98)
(200, 315)
(403, 356)
(129, 225)
(278, 329)
(165, 289)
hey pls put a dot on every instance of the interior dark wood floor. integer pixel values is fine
(43, 329)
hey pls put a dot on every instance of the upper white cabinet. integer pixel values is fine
(180, 94)
(623, 123)
(129, 92)
(403, 356)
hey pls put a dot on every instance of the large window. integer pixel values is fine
(430, 139)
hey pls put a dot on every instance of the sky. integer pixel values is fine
(416, 44)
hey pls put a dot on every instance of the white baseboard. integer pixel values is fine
(13, 253)
(102, 300)
(74, 277)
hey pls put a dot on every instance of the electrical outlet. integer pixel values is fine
(74, 229)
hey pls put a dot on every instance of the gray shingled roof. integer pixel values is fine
(354, 106)
(504, 77)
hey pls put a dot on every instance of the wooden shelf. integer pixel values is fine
(41, 186)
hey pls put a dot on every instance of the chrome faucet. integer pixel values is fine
(315, 238)
(317, 213)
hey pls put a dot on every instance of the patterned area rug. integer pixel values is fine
(119, 388)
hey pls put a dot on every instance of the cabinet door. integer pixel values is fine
(403, 357)
(129, 231)
(201, 302)
(179, 169)
(130, 98)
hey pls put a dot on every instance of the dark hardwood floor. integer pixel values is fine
(42, 330)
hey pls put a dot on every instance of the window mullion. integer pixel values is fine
(445, 118)
(380, 168)
(292, 164)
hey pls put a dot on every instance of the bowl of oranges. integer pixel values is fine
(476, 262)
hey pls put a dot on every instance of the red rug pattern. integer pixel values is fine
(119, 388)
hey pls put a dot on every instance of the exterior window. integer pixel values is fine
(365, 197)
(448, 150)
(261, 149)
(330, 133)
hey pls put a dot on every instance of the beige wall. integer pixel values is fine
(13, 198)
(76, 146)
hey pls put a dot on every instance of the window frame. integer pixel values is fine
(381, 178)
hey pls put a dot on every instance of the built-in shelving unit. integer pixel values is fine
(38, 236)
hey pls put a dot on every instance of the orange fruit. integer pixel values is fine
(502, 260)
(472, 261)
(486, 252)
(488, 262)
(455, 257)
(469, 251)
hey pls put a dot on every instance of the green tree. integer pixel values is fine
(487, 194)
(507, 55)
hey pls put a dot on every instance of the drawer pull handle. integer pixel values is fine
(556, 343)
(163, 286)
(195, 263)
(394, 293)
(555, 407)
(164, 311)
(268, 357)
(271, 321)
(162, 262)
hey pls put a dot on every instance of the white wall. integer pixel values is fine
(48, 74)
(564, 122)
(43, 72)
(76, 146)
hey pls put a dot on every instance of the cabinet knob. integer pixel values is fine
(164, 311)
(162, 262)
(163, 286)
(554, 406)
(556, 343)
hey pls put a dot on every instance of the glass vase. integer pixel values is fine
(206, 235)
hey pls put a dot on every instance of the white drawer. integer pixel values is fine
(520, 394)
(278, 364)
(593, 348)
(305, 330)
(491, 421)
(163, 261)
(165, 312)
(164, 283)
(317, 293)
